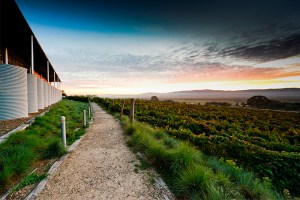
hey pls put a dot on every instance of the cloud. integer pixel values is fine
(204, 72)
(266, 44)
(275, 49)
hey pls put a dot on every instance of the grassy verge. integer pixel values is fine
(40, 141)
(189, 173)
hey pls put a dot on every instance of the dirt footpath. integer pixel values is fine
(101, 167)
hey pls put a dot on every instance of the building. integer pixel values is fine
(28, 81)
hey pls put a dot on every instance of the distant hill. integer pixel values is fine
(284, 94)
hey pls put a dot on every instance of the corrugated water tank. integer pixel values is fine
(45, 94)
(57, 95)
(49, 95)
(32, 93)
(54, 91)
(60, 96)
(13, 92)
(54, 95)
(40, 93)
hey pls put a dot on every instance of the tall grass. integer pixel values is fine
(41, 140)
(189, 173)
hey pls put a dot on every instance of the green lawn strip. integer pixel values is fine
(189, 173)
(40, 141)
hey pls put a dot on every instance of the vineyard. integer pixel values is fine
(266, 142)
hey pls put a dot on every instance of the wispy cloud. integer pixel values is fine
(257, 46)
(275, 49)
(221, 72)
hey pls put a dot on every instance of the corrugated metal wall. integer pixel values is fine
(40, 92)
(49, 95)
(45, 94)
(32, 93)
(13, 92)
(22, 93)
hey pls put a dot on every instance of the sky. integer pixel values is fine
(132, 47)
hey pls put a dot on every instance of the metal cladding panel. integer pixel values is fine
(54, 96)
(13, 92)
(52, 91)
(45, 94)
(40, 90)
(50, 95)
(32, 93)
(57, 95)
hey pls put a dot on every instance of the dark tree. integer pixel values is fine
(154, 98)
(258, 101)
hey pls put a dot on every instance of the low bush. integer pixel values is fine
(55, 149)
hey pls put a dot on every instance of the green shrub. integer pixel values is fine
(28, 180)
(183, 156)
(14, 160)
(130, 130)
(55, 149)
(159, 134)
(194, 180)
(170, 142)
(155, 151)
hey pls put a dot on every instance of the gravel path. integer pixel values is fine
(101, 167)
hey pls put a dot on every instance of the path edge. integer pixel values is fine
(33, 194)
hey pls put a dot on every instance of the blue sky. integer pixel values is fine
(129, 47)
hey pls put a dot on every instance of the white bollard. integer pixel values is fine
(89, 112)
(84, 117)
(63, 130)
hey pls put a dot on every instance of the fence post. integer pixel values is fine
(89, 111)
(63, 130)
(84, 117)
(122, 108)
(131, 110)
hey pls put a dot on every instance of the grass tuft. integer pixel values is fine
(130, 130)
(194, 180)
(29, 180)
(170, 143)
(158, 134)
(55, 149)
(183, 156)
